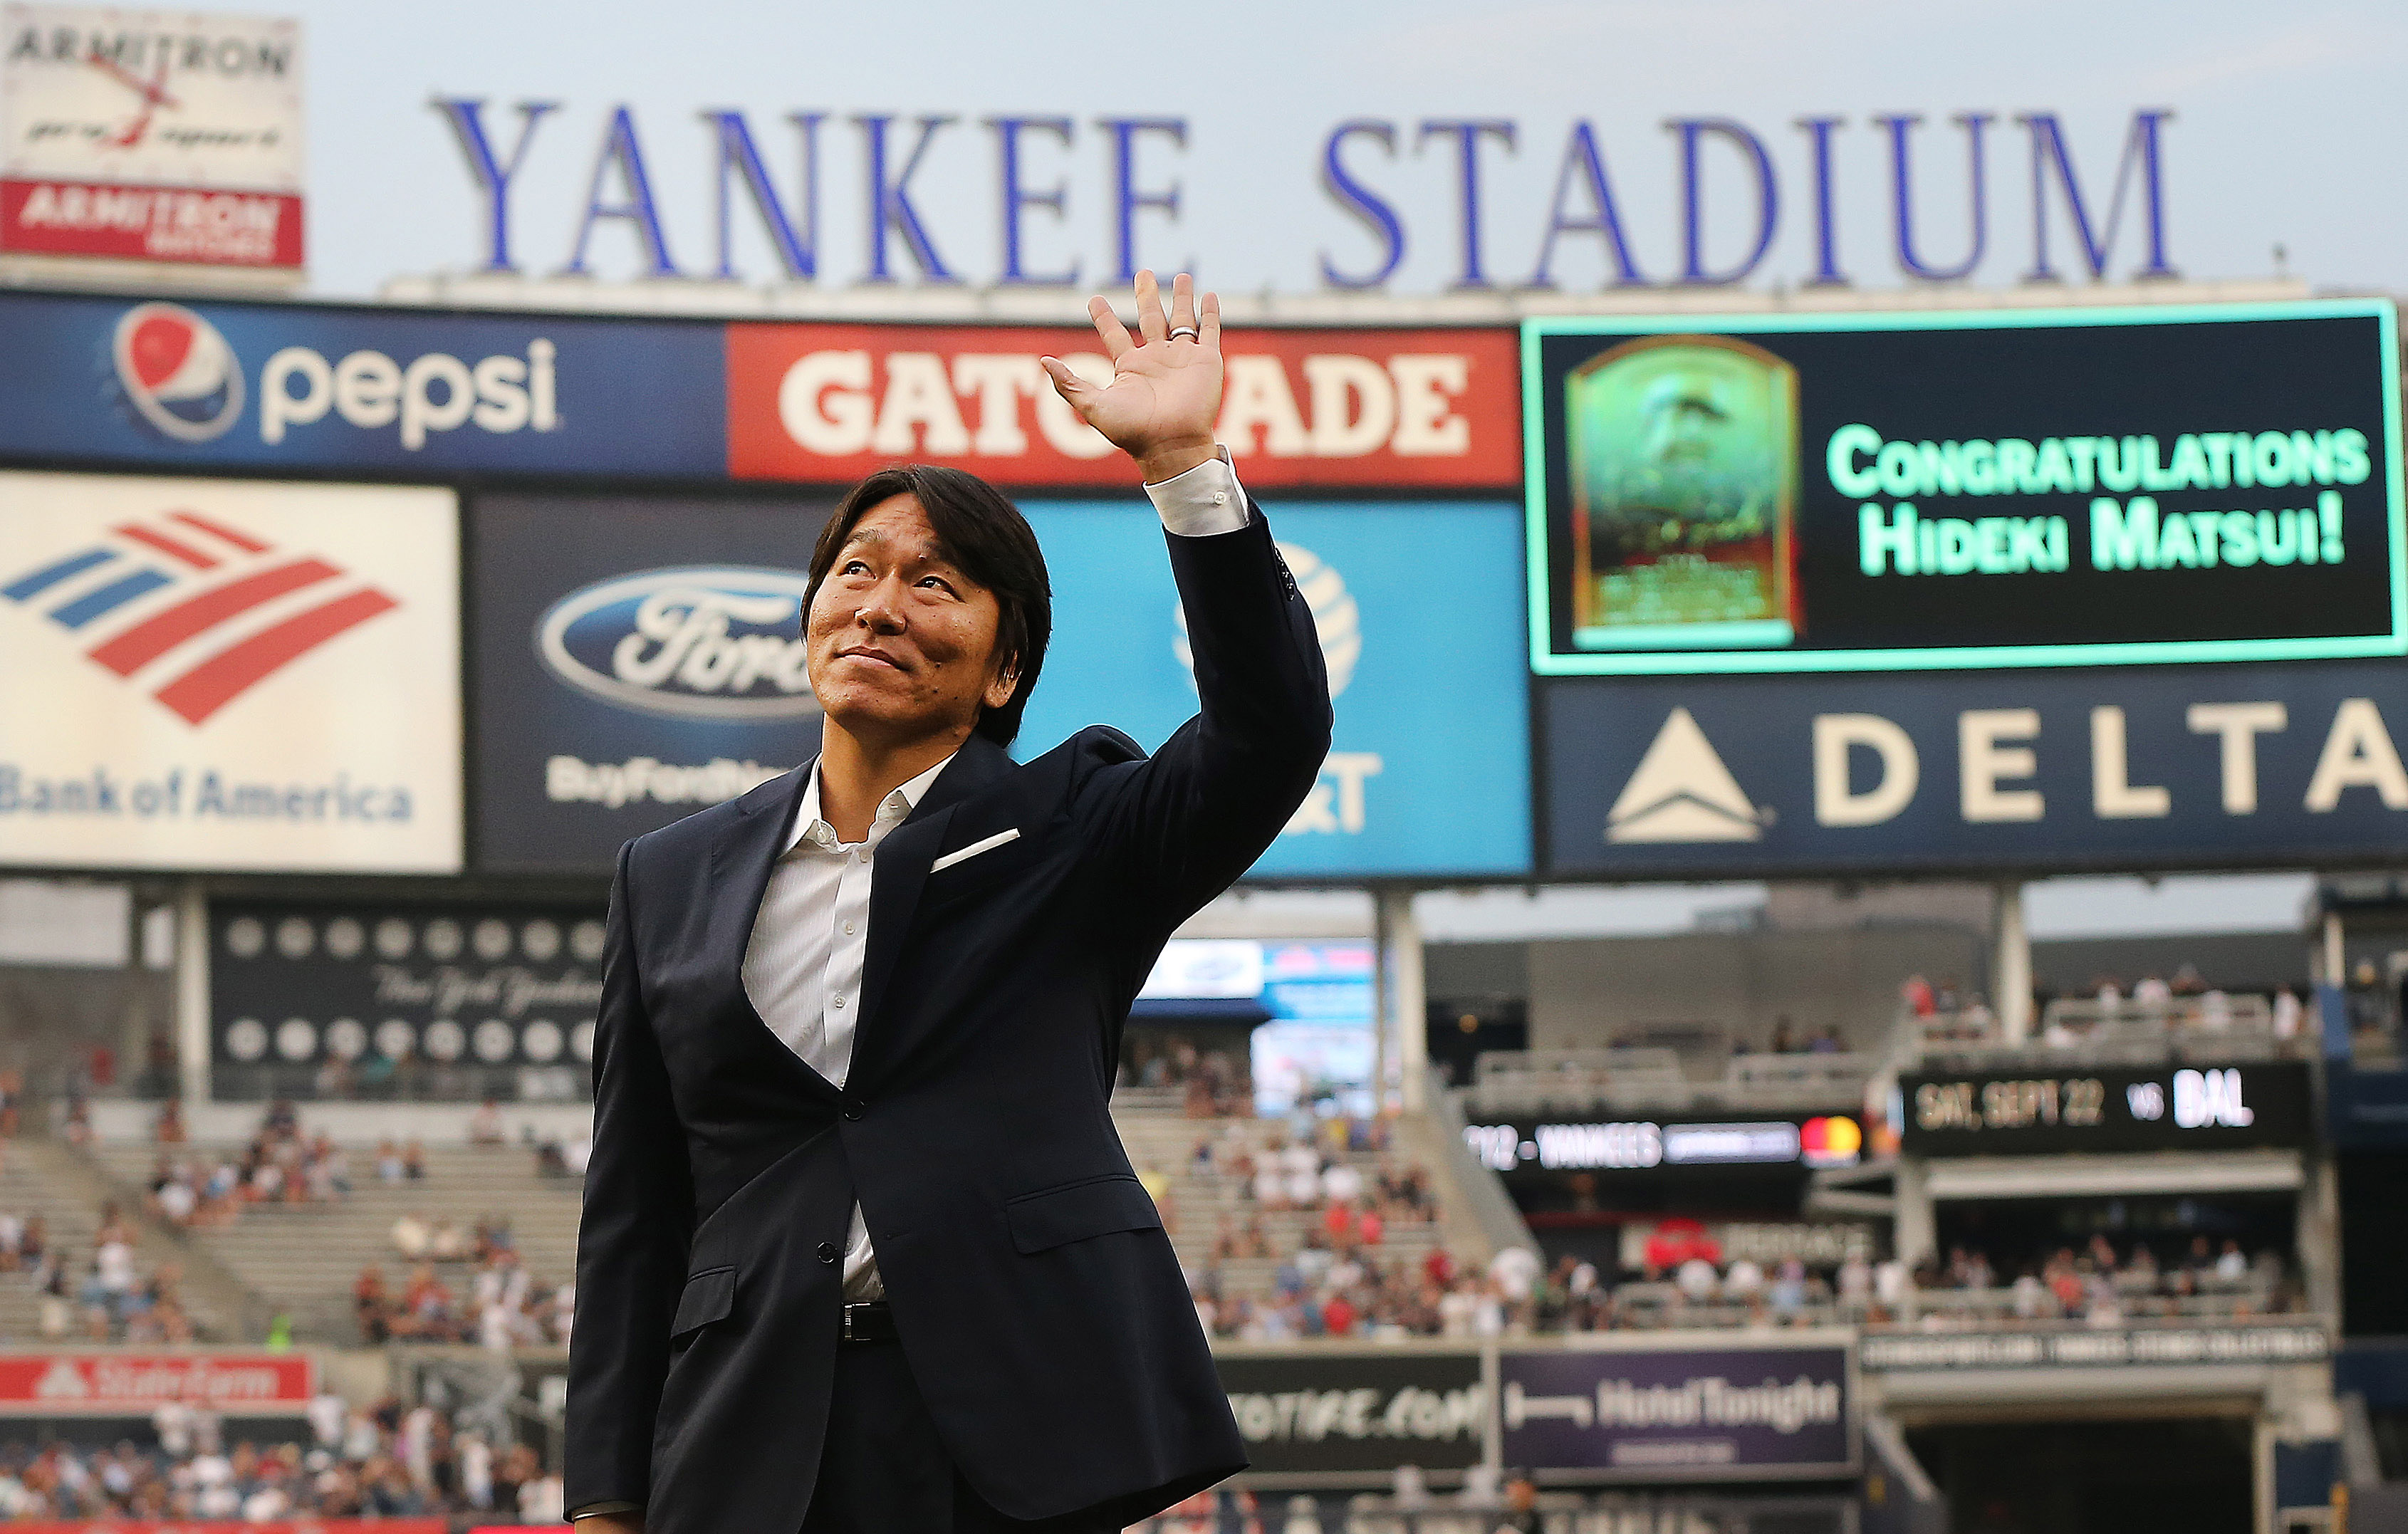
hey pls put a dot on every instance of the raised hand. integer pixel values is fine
(1165, 392)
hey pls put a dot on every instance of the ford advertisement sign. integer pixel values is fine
(695, 644)
(422, 392)
(633, 661)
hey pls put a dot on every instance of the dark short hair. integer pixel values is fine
(983, 534)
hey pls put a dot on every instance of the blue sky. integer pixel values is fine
(2289, 124)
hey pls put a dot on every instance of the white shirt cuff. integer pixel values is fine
(1203, 501)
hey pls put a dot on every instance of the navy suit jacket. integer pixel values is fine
(1037, 1298)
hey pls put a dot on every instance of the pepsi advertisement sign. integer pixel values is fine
(1413, 603)
(419, 393)
(634, 661)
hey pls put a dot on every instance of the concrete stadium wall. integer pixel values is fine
(1735, 986)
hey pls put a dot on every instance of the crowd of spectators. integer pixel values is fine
(106, 1296)
(2102, 1287)
(280, 1165)
(389, 1461)
(1334, 1273)
(1786, 1039)
(2185, 999)
(498, 1305)
(1212, 1083)
(1348, 1291)
(1351, 1291)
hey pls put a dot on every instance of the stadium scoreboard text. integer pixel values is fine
(2157, 1109)
(1860, 491)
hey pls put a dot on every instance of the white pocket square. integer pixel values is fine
(963, 855)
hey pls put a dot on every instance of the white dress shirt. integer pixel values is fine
(803, 964)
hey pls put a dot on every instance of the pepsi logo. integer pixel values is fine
(712, 642)
(180, 374)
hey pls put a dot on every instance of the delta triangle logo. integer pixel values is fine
(1681, 791)
(63, 1382)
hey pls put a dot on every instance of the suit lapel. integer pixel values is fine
(902, 872)
(741, 859)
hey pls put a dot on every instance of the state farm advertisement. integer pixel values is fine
(114, 1384)
(151, 135)
(818, 403)
(223, 674)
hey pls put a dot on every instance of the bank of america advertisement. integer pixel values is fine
(228, 674)
(1416, 605)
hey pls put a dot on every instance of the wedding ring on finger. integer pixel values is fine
(1188, 331)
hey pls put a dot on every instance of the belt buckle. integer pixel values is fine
(848, 1334)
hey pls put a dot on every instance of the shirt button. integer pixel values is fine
(1219, 497)
(848, 929)
(839, 1004)
(828, 1251)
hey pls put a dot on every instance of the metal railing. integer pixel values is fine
(1506, 1082)
(1484, 1197)
(1557, 1512)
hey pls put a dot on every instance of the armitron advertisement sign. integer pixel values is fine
(221, 674)
(151, 135)
(130, 1384)
(827, 404)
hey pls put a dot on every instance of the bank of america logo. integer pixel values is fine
(1681, 791)
(194, 609)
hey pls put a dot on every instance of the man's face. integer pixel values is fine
(902, 643)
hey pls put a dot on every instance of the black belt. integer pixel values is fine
(872, 1321)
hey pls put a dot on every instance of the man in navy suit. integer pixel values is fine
(862, 1253)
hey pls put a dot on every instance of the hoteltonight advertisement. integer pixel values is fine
(1650, 1410)
(1876, 492)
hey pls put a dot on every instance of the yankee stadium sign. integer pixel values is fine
(2082, 208)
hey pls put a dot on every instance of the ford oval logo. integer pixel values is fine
(698, 642)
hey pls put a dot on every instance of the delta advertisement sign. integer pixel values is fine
(125, 1384)
(2113, 768)
(432, 394)
(185, 667)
